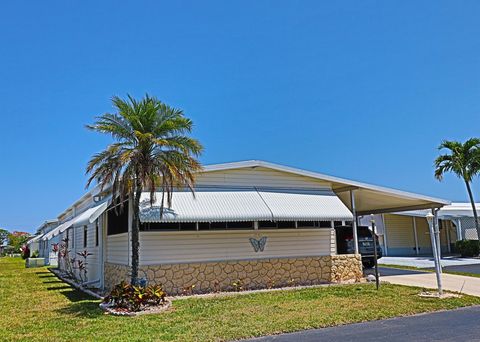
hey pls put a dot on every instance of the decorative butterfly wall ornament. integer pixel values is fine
(258, 245)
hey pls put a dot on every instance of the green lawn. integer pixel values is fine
(35, 305)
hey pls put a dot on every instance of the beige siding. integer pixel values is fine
(173, 247)
(423, 233)
(400, 231)
(117, 249)
(258, 177)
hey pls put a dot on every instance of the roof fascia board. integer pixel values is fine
(399, 209)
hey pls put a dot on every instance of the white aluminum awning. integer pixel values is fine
(34, 239)
(85, 218)
(60, 229)
(208, 205)
(90, 215)
(304, 205)
(246, 204)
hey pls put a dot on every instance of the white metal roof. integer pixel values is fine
(304, 205)
(90, 215)
(245, 204)
(85, 218)
(370, 199)
(34, 239)
(454, 210)
(60, 229)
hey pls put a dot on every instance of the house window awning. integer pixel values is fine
(90, 215)
(85, 218)
(60, 229)
(245, 204)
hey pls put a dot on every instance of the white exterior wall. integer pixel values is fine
(204, 246)
(93, 260)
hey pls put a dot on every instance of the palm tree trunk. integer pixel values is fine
(136, 232)
(472, 202)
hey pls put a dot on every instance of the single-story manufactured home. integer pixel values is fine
(44, 247)
(253, 222)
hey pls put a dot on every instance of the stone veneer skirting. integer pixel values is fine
(253, 274)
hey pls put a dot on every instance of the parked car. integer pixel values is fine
(365, 243)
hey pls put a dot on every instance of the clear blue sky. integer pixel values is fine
(359, 89)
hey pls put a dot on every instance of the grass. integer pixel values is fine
(412, 268)
(35, 305)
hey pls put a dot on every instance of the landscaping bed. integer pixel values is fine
(35, 305)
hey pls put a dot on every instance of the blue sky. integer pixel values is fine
(363, 90)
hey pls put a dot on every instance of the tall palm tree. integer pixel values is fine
(152, 150)
(462, 159)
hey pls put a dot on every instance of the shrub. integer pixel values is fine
(133, 298)
(468, 248)
(25, 252)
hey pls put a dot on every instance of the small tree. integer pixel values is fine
(3, 236)
(463, 160)
(17, 240)
(152, 150)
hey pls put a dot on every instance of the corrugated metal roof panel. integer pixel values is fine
(214, 205)
(208, 205)
(305, 205)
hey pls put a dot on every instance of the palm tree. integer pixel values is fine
(152, 150)
(463, 159)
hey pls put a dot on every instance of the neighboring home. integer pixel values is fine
(407, 233)
(259, 223)
(44, 246)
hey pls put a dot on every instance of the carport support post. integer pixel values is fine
(354, 223)
(437, 238)
(430, 220)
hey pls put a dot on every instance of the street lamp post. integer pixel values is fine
(430, 220)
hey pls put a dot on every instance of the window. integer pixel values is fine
(163, 226)
(337, 223)
(267, 224)
(96, 233)
(240, 225)
(85, 236)
(306, 224)
(218, 225)
(117, 221)
(286, 224)
(325, 224)
(203, 225)
(276, 224)
(188, 226)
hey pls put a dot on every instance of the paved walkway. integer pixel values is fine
(454, 325)
(451, 282)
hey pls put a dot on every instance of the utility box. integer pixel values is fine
(35, 262)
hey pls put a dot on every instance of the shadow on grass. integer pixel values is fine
(59, 288)
(72, 294)
(46, 275)
(52, 282)
(84, 309)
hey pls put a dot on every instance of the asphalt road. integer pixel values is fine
(464, 268)
(455, 325)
